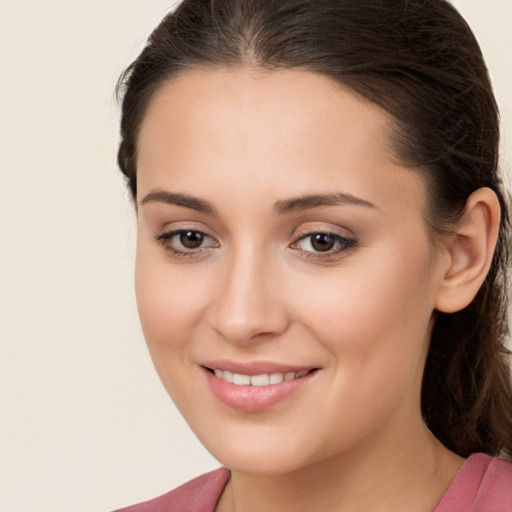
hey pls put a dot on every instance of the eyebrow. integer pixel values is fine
(317, 200)
(162, 196)
(283, 207)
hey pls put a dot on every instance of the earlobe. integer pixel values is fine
(470, 251)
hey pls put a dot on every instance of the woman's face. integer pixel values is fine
(285, 277)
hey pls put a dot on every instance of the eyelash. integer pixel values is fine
(165, 240)
(344, 244)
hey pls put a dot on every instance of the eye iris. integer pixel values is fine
(322, 242)
(191, 239)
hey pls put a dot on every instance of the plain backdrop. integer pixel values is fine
(85, 425)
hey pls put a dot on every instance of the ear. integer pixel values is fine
(470, 251)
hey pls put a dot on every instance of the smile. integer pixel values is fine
(250, 389)
(264, 379)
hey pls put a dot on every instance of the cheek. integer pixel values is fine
(375, 326)
(170, 302)
(170, 306)
(374, 315)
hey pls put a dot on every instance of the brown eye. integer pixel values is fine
(186, 242)
(322, 242)
(191, 239)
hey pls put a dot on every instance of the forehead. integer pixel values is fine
(235, 101)
(289, 129)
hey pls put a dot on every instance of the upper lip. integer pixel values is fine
(254, 367)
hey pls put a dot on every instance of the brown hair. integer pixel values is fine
(418, 60)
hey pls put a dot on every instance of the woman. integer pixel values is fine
(321, 253)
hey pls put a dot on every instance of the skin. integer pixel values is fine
(256, 290)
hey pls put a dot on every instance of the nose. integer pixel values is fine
(249, 302)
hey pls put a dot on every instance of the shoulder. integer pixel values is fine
(484, 483)
(200, 494)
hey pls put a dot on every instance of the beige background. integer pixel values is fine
(84, 423)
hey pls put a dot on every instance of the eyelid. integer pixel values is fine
(312, 228)
(329, 229)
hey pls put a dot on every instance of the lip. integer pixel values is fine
(251, 399)
(253, 367)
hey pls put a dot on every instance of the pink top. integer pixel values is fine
(483, 484)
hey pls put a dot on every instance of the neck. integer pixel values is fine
(412, 478)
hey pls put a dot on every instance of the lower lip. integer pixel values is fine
(254, 398)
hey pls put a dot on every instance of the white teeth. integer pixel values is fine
(260, 380)
(263, 379)
(276, 378)
(241, 380)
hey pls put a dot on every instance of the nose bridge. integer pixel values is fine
(248, 300)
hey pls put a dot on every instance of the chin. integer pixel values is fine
(246, 454)
(261, 464)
